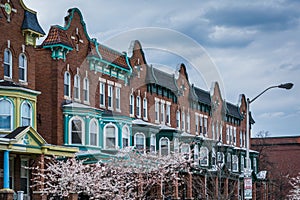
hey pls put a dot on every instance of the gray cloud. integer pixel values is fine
(254, 44)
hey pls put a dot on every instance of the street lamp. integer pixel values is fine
(282, 86)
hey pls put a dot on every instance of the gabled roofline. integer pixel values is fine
(71, 12)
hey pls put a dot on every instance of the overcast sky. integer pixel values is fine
(247, 46)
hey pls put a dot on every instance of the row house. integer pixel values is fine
(76, 93)
(100, 100)
(21, 144)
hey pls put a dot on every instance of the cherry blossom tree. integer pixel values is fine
(295, 192)
(129, 175)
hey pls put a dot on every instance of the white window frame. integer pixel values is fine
(160, 145)
(152, 143)
(235, 163)
(183, 120)
(145, 108)
(125, 135)
(26, 117)
(156, 110)
(255, 165)
(229, 161)
(23, 67)
(138, 107)
(196, 155)
(67, 84)
(242, 163)
(110, 97)
(10, 114)
(178, 119)
(105, 135)
(25, 170)
(203, 156)
(86, 90)
(201, 124)
(77, 87)
(102, 94)
(205, 124)
(227, 134)
(168, 113)
(8, 62)
(131, 105)
(176, 145)
(96, 132)
(162, 112)
(82, 130)
(241, 138)
(234, 136)
(118, 99)
(144, 141)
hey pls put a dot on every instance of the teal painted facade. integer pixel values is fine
(86, 115)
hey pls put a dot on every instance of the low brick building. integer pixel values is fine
(279, 157)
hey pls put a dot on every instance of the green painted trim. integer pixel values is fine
(58, 45)
(66, 27)
(66, 130)
(111, 64)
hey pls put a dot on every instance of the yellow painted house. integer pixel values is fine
(20, 143)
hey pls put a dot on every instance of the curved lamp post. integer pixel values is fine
(282, 86)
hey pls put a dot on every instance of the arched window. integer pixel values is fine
(86, 89)
(153, 143)
(176, 145)
(22, 67)
(7, 63)
(140, 142)
(77, 86)
(76, 128)
(110, 136)
(6, 115)
(203, 156)
(26, 114)
(125, 136)
(164, 146)
(93, 132)
(67, 82)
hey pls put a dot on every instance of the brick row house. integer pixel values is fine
(84, 95)
(21, 145)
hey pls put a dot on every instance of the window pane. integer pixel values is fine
(76, 132)
(93, 133)
(5, 115)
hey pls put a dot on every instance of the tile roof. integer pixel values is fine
(113, 56)
(15, 132)
(161, 78)
(203, 96)
(30, 22)
(233, 110)
(57, 36)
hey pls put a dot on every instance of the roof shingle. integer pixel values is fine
(57, 36)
